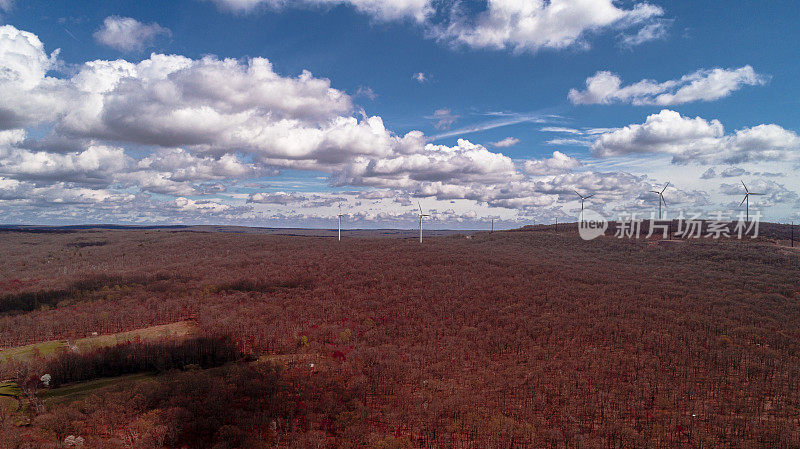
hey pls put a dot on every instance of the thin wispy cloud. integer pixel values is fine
(657, 30)
(561, 129)
(444, 118)
(366, 92)
(578, 142)
(492, 124)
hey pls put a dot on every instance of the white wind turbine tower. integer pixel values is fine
(747, 199)
(340, 224)
(583, 198)
(421, 214)
(661, 199)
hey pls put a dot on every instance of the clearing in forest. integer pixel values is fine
(178, 331)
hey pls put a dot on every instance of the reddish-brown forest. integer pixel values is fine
(521, 339)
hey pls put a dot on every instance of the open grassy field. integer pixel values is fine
(171, 331)
(74, 392)
(522, 339)
(27, 352)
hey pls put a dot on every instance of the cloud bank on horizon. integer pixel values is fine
(171, 138)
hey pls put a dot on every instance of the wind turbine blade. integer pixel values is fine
(663, 200)
(665, 187)
(753, 193)
(656, 192)
(420, 207)
(589, 196)
(576, 193)
(745, 187)
(745, 199)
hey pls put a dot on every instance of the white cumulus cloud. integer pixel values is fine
(505, 143)
(698, 140)
(127, 34)
(559, 163)
(530, 25)
(703, 85)
(384, 10)
(518, 25)
(205, 117)
(95, 165)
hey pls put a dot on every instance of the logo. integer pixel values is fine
(591, 224)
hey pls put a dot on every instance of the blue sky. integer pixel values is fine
(698, 96)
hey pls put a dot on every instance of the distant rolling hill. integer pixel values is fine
(306, 232)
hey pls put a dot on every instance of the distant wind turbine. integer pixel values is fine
(583, 198)
(421, 214)
(661, 199)
(747, 199)
(340, 224)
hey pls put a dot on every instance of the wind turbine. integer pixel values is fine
(583, 198)
(661, 199)
(420, 220)
(747, 199)
(340, 224)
